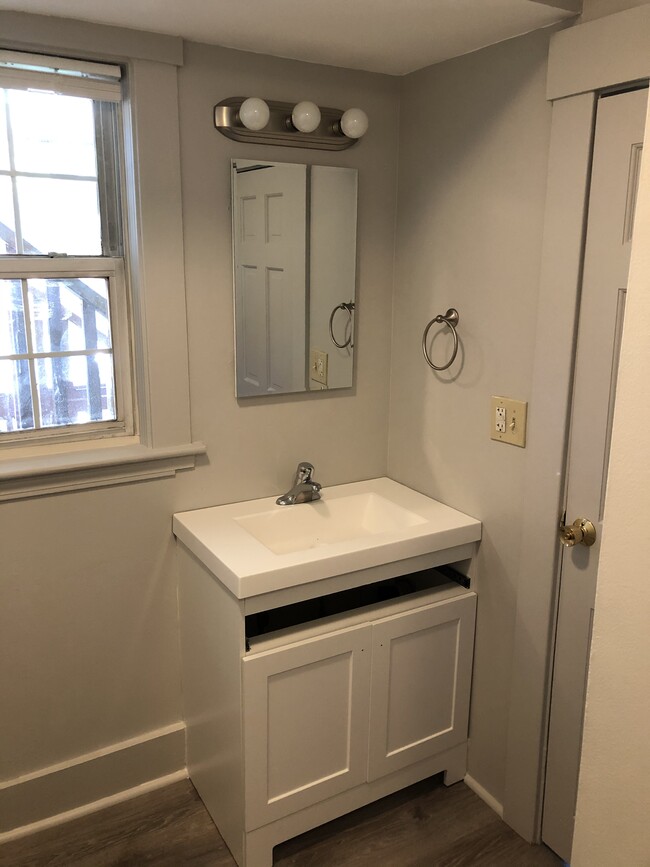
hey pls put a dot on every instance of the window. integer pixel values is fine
(64, 335)
(142, 340)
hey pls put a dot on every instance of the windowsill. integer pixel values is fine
(26, 474)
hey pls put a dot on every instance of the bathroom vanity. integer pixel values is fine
(326, 660)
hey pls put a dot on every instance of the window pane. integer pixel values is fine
(52, 134)
(16, 411)
(7, 220)
(59, 216)
(4, 143)
(69, 314)
(76, 390)
(13, 340)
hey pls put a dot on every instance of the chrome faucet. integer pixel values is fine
(304, 490)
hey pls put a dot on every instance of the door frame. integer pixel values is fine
(583, 60)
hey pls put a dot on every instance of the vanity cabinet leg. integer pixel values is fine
(456, 766)
(258, 849)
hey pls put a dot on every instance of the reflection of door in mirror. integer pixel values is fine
(332, 269)
(295, 252)
(269, 232)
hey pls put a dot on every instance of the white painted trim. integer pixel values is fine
(94, 806)
(603, 53)
(61, 471)
(484, 795)
(569, 156)
(89, 782)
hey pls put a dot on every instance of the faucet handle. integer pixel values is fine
(304, 471)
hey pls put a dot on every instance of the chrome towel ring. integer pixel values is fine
(349, 306)
(450, 318)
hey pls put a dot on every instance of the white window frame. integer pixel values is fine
(23, 71)
(24, 268)
(162, 443)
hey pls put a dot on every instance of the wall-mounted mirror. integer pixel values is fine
(294, 250)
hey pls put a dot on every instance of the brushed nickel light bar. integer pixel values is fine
(303, 125)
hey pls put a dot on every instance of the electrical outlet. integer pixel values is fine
(318, 366)
(508, 421)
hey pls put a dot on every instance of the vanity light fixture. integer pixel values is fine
(304, 125)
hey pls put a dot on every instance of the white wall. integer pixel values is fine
(88, 642)
(473, 159)
(254, 444)
(88, 626)
(614, 787)
(88, 604)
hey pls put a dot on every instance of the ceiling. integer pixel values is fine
(375, 35)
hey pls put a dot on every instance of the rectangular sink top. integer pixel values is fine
(329, 520)
(257, 546)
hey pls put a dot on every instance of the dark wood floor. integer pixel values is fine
(422, 826)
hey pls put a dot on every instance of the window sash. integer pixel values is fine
(25, 267)
(102, 83)
(109, 177)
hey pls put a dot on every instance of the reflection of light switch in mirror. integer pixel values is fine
(318, 366)
(508, 421)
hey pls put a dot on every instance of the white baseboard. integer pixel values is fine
(92, 781)
(93, 807)
(484, 795)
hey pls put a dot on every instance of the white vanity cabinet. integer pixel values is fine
(326, 661)
(331, 712)
(297, 726)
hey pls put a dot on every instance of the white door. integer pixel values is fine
(270, 236)
(305, 723)
(617, 155)
(420, 684)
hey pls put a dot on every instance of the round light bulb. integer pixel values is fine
(354, 123)
(305, 116)
(254, 113)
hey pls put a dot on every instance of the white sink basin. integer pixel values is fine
(327, 521)
(259, 547)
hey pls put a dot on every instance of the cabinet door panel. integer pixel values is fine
(421, 674)
(305, 723)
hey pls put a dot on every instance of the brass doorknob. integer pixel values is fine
(581, 532)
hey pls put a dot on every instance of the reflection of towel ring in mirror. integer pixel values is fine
(349, 306)
(451, 319)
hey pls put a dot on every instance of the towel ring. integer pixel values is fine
(450, 318)
(349, 306)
